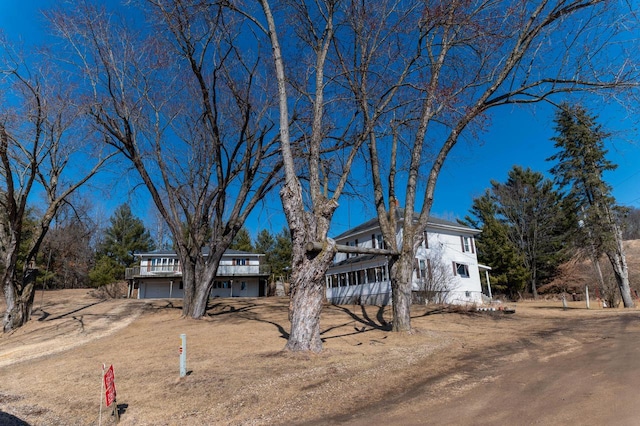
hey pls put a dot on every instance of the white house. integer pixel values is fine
(446, 266)
(240, 274)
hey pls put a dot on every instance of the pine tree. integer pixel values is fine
(508, 274)
(536, 222)
(281, 261)
(265, 242)
(580, 164)
(242, 241)
(125, 236)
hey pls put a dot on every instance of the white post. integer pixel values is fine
(183, 355)
(586, 291)
(486, 272)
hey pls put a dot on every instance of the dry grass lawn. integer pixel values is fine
(50, 370)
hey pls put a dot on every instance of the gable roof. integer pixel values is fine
(433, 223)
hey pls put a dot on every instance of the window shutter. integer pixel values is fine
(429, 271)
(455, 270)
(472, 241)
(462, 242)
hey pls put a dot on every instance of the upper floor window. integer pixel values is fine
(164, 264)
(467, 244)
(240, 262)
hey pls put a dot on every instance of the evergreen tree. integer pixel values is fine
(125, 236)
(265, 242)
(579, 166)
(533, 214)
(281, 257)
(242, 241)
(495, 248)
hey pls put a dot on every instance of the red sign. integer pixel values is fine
(110, 386)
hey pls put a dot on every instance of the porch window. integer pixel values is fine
(371, 275)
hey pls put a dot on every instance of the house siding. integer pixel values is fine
(159, 275)
(446, 244)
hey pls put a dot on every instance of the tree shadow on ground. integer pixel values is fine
(46, 315)
(379, 323)
(245, 311)
(7, 419)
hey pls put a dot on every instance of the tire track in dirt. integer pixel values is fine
(72, 329)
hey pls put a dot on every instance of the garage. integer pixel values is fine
(155, 290)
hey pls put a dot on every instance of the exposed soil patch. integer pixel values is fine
(50, 370)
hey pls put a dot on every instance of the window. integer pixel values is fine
(371, 275)
(460, 269)
(422, 265)
(467, 244)
(163, 264)
(240, 262)
(352, 278)
(243, 285)
(181, 286)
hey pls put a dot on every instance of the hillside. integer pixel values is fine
(577, 273)
(50, 370)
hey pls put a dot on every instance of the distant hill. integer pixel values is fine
(577, 273)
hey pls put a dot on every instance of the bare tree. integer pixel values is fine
(327, 123)
(45, 155)
(435, 282)
(470, 57)
(67, 253)
(184, 97)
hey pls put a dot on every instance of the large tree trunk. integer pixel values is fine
(401, 271)
(306, 302)
(197, 282)
(19, 300)
(308, 268)
(621, 271)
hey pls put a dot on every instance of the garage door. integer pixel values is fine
(156, 290)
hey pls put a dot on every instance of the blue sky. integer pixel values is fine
(517, 136)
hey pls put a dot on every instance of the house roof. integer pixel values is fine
(358, 259)
(205, 252)
(433, 222)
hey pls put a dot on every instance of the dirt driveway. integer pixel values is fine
(541, 365)
(583, 371)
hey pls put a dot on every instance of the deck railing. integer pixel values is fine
(175, 270)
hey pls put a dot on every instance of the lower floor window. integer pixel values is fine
(461, 269)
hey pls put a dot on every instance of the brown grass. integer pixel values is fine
(50, 370)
